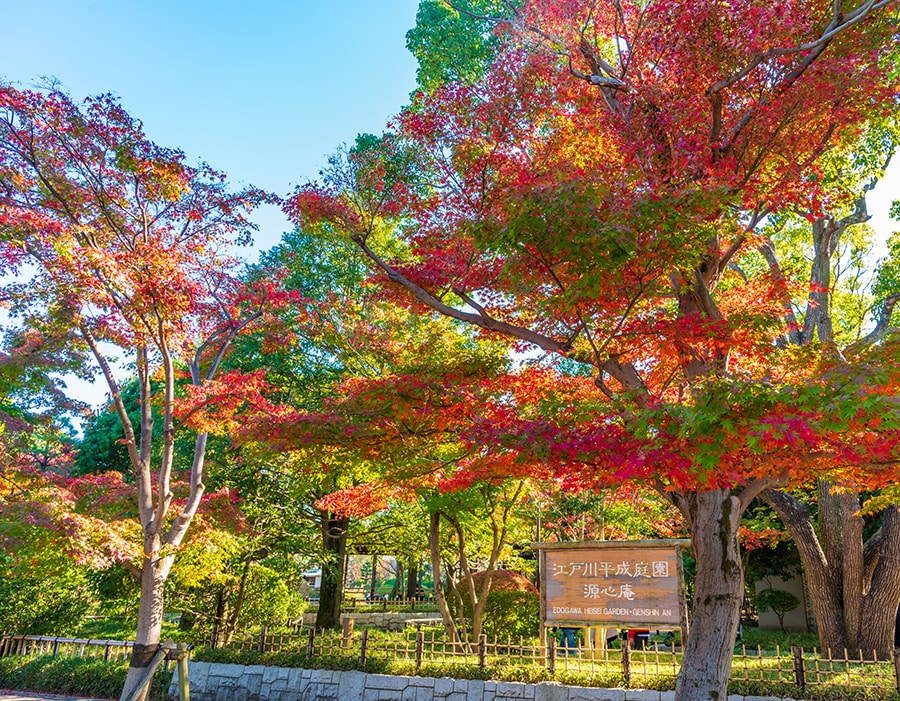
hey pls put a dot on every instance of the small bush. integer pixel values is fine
(74, 676)
(512, 613)
(772, 639)
(44, 605)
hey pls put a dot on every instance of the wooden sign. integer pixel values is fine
(636, 584)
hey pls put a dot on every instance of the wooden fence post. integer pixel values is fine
(311, 642)
(262, 638)
(551, 655)
(346, 632)
(364, 648)
(420, 645)
(626, 660)
(56, 647)
(482, 650)
(184, 689)
(799, 671)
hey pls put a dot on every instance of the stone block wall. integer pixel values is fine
(229, 682)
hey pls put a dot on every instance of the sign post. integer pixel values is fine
(616, 584)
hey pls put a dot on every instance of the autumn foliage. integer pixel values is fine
(118, 241)
(597, 194)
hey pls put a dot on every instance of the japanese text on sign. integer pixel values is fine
(612, 584)
(606, 569)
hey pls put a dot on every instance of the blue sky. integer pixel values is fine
(264, 91)
(261, 90)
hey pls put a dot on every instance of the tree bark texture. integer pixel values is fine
(718, 591)
(334, 543)
(149, 623)
(854, 584)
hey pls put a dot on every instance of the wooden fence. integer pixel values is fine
(86, 648)
(752, 669)
(64, 647)
(783, 672)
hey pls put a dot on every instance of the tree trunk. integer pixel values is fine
(854, 586)
(334, 542)
(374, 579)
(718, 590)
(235, 613)
(218, 630)
(412, 580)
(440, 597)
(149, 624)
(397, 588)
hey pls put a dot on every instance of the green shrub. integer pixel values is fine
(772, 639)
(512, 613)
(74, 676)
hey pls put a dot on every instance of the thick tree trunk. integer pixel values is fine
(718, 590)
(854, 586)
(149, 623)
(412, 580)
(334, 543)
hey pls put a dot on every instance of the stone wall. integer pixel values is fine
(228, 682)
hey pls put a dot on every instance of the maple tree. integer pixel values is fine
(484, 514)
(590, 195)
(118, 241)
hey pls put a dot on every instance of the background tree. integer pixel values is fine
(824, 259)
(452, 46)
(43, 590)
(306, 352)
(343, 339)
(35, 412)
(128, 247)
(781, 602)
(400, 532)
(588, 197)
(480, 519)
